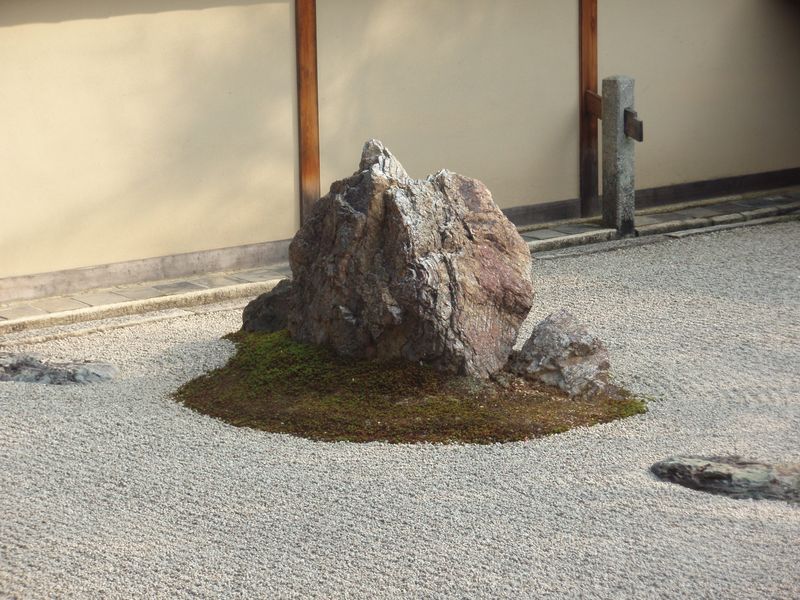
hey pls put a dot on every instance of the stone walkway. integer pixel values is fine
(718, 212)
(675, 221)
(140, 298)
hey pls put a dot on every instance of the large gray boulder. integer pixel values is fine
(30, 368)
(732, 476)
(429, 270)
(561, 352)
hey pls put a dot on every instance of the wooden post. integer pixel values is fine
(588, 121)
(307, 103)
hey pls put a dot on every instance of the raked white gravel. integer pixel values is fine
(115, 491)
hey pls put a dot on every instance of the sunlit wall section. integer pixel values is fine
(135, 129)
(488, 89)
(717, 84)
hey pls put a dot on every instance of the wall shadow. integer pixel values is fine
(56, 11)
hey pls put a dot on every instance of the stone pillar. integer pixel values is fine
(618, 171)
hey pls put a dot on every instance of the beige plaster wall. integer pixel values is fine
(141, 128)
(717, 84)
(488, 89)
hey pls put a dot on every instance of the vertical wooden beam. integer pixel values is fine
(588, 121)
(307, 103)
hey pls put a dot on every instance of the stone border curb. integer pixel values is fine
(60, 335)
(739, 225)
(634, 242)
(605, 235)
(655, 210)
(121, 309)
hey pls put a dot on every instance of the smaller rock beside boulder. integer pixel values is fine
(269, 312)
(561, 352)
(29, 368)
(732, 476)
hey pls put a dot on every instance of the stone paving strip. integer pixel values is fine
(725, 212)
(125, 300)
(675, 221)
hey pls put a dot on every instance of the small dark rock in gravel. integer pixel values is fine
(732, 476)
(29, 368)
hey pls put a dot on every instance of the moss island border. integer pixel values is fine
(277, 385)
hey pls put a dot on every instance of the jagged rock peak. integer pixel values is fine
(375, 155)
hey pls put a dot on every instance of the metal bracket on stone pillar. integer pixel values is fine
(620, 128)
(634, 128)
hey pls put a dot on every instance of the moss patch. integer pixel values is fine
(275, 384)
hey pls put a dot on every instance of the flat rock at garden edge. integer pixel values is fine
(30, 368)
(732, 476)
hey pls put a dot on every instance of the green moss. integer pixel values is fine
(275, 384)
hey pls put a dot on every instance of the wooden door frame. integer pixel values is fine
(588, 165)
(307, 104)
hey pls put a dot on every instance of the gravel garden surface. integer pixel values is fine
(113, 490)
